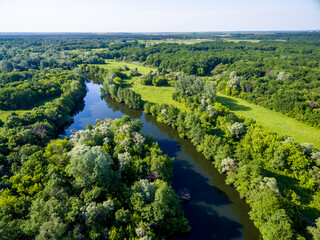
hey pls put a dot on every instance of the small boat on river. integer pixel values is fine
(184, 194)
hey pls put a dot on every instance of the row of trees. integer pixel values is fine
(276, 175)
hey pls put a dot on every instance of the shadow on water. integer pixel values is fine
(79, 108)
(124, 109)
(202, 210)
(232, 104)
(215, 210)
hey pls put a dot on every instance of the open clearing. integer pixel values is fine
(274, 121)
(114, 65)
(148, 93)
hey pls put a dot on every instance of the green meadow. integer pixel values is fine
(274, 121)
(271, 120)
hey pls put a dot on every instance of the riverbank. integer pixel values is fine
(215, 210)
(271, 120)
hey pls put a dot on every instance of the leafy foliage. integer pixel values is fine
(92, 193)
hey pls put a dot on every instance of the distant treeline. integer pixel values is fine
(282, 76)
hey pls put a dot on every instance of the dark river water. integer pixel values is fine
(215, 210)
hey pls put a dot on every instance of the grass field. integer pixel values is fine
(148, 93)
(274, 121)
(157, 94)
(236, 40)
(114, 65)
(4, 114)
(179, 41)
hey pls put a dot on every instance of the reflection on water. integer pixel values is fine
(95, 108)
(215, 210)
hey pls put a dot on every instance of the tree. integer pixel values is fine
(315, 231)
(6, 66)
(97, 212)
(282, 76)
(270, 183)
(227, 164)
(235, 80)
(237, 130)
(209, 92)
(94, 166)
(53, 229)
(144, 189)
(278, 227)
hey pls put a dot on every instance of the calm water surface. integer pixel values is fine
(215, 210)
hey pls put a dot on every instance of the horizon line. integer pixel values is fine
(165, 32)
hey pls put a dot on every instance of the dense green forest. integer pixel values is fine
(109, 181)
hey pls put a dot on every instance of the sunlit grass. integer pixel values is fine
(148, 93)
(114, 65)
(5, 114)
(274, 121)
(157, 94)
(179, 41)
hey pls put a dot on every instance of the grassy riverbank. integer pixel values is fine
(274, 121)
(148, 93)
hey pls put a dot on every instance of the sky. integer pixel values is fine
(158, 16)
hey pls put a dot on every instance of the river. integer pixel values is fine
(215, 210)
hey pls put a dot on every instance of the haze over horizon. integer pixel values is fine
(165, 16)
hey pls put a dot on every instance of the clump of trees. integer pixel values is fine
(113, 85)
(162, 78)
(192, 91)
(107, 181)
(25, 94)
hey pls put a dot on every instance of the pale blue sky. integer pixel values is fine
(158, 16)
